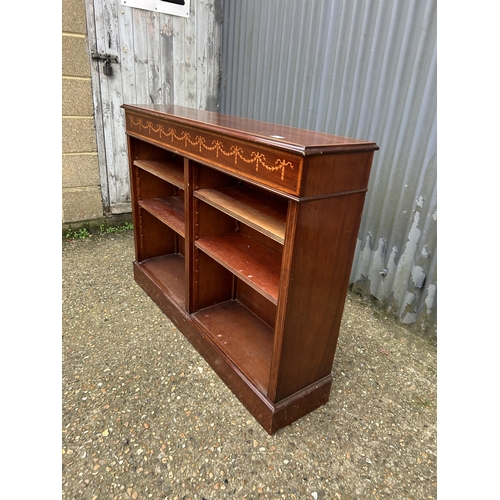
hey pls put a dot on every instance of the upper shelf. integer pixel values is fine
(169, 210)
(261, 212)
(166, 170)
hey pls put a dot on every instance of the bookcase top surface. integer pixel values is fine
(305, 142)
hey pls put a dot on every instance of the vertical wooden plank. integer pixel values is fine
(114, 116)
(213, 78)
(207, 40)
(126, 55)
(167, 58)
(202, 42)
(141, 56)
(113, 137)
(208, 60)
(179, 58)
(92, 36)
(185, 46)
(207, 54)
(154, 53)
(104, 40)
(190, 51)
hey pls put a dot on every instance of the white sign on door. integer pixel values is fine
(174, 7)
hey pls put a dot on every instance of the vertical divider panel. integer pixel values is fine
(291, 226)
(190, 251)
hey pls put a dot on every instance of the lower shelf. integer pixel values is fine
(242, 336)
(254, 263)
(168, 272)
(271, 415)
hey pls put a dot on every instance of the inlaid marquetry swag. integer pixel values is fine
(256, 158)
(244, 236)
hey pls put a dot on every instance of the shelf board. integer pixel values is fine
(259, 211)
(255, 264)
(166, 170)
(242, 337)
(168, 272)
(169, 210)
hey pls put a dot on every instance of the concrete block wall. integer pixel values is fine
(81, 190)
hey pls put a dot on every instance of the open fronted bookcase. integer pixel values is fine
(244, 237)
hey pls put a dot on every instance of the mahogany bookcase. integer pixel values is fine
(244, 237)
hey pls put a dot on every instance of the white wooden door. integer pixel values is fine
(162, 59)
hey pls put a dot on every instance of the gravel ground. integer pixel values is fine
(144, 416)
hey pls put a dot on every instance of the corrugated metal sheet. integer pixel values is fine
(364, 69)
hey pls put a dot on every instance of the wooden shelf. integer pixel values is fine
(168, 171)
(243, 337)
(254, 263)
(259, 211)
(168, 272)
(169, 210)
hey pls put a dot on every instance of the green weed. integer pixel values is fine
(116, 229)
(81, 234)
(77, 234)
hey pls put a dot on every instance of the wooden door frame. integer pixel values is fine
(103, 150)
(97, 104)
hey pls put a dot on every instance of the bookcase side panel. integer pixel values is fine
(320, 267)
